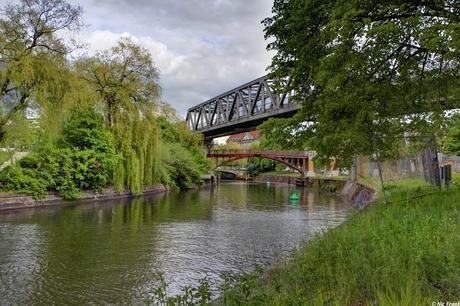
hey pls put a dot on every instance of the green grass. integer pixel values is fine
(323, 177)
(407, 185)
(4, 156)
(404, 253)
(456, 179)
(280, 173)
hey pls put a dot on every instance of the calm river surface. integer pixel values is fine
(110, 252)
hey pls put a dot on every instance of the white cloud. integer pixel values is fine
(202, 47)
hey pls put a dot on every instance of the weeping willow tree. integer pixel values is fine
(33, 67)
(127, 83)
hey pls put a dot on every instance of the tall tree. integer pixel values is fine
(32, 57)
(127, 83)
(125, 78)
(367, 71)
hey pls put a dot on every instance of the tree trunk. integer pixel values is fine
(381, 179)
(354, 169)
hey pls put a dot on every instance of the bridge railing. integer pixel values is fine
(293, 154)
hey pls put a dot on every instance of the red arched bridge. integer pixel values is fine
(297, 161)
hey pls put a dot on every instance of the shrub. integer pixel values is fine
(23, 180)
(455, 179)
(84, 158)
(182, 168)
(329, 187)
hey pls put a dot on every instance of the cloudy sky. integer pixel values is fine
(202, 47)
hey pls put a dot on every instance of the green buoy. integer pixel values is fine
(294, 195)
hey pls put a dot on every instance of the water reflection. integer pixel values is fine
(109, 252)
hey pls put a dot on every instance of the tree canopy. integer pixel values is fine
(366, 71)
(90, 123)
(32, 56)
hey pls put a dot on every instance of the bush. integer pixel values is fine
(84, 158)
(183, 168)
(23, 181)
(329, 187)
(455, 179)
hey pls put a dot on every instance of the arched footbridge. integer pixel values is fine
(297, 161)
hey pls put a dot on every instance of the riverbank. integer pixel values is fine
(18, 201)
(359, 194)
(404, 253)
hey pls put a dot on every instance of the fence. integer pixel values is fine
(423, 163)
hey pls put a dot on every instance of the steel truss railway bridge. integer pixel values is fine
(243, 109)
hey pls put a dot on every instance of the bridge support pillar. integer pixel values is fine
(305, 166)
(208, 143)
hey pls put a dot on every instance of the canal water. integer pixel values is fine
(110, 252)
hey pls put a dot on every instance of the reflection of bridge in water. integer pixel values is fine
(228, 173)
(297, 161)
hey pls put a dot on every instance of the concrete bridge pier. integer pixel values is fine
(208, 143)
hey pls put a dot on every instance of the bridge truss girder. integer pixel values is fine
(242, 108)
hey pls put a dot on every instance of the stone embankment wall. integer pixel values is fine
(359, 194)
(16, 201)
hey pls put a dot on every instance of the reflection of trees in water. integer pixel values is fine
(273, 197)
(20, 254)
(111, 247)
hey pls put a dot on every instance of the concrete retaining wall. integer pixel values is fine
(359, 194)
(17, 201)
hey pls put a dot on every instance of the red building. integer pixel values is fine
(244, 139)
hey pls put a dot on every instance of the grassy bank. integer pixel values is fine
(405, 253)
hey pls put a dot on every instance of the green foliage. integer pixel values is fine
(366, 73)
(199, 295)
(34, 71)
(183, 158)
(85, 130)
(456, 179)
(451, 141)
(279, 134)
(329, 187)
(23, 180)
(181, 166)
(73, 148)
(72, 165)
(405, 253)
(124, 77)
(153, 149)
(4, 156)
(257, 165)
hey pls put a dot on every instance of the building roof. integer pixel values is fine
(252, 135)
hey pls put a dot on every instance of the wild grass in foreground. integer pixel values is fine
(405, 253)
(399, 254)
